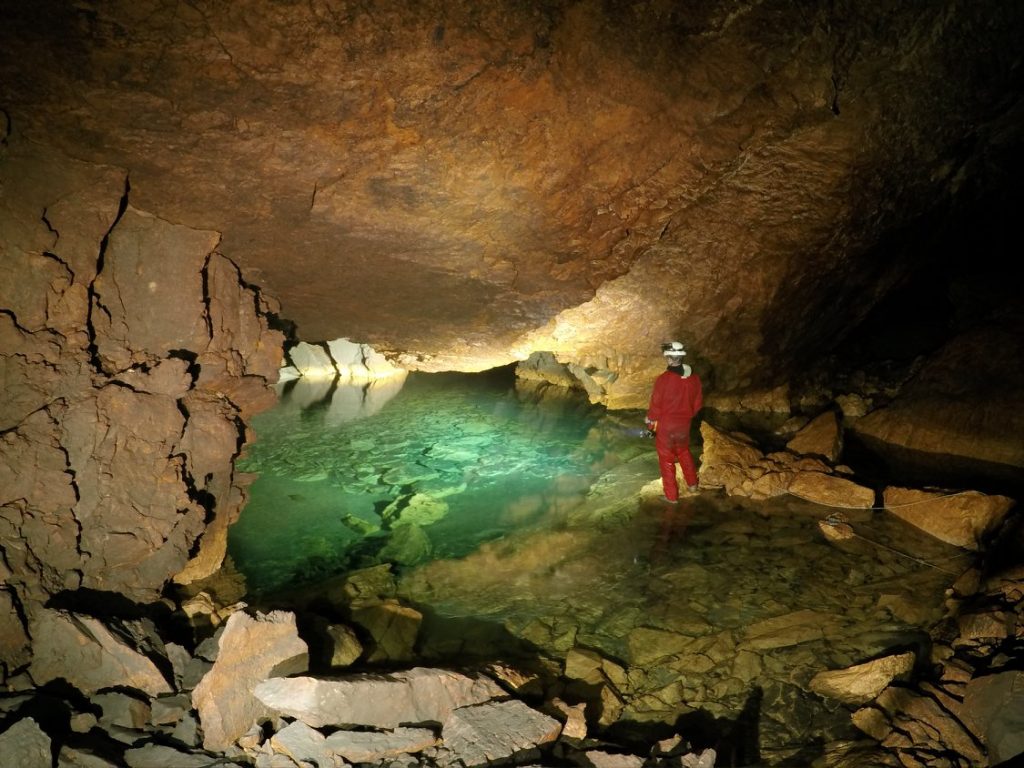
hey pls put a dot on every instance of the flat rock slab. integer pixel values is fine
(962, 519)
(497, 730)
(861, 683)
(250, 650)
(371, 746)
(416, 696)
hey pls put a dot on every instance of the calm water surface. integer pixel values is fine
(514, 517)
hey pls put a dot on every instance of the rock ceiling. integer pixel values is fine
(461, 183)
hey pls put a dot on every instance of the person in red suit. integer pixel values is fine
(677, 398)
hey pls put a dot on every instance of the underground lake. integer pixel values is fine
(521, 523)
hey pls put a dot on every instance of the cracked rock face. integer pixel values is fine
(462, 184)
(130, 355)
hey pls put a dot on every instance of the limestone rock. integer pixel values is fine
(148, 298)
(574, 721)
(596, 758)
(822, 437)
(994, 711)
(251, 649)
(303, 744)
(312, 361)
(376, 746)
(830, 490)
(419, 695)
(69, 757)
(496, 731)
(861, 683)
(976, 417)
(24, 745)
(83, 651)
(788, 629)
(962, 519)
(393, 627)
(119, 709)
(345, 646)
(14, 649)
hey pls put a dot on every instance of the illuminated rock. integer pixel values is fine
(962, 518)
(250, 650)
(861, 683)
(822, 437)
(496, 731)
(418, 695)
(374, 746)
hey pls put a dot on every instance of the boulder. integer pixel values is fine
(418, 695)
(24, 745)
(822, 437)
(496, 731)
(120, 709)
(861, 683)
(89, 655)
(994, 711)
(250, 649)
(312, 361)
(345, 646)
(70, 757)
(597, 758)
(963, 519)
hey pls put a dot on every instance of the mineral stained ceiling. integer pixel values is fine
(461, 183)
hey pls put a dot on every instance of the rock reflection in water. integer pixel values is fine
(402, 470)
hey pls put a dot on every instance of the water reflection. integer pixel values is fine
(515, 516)
(406, 469)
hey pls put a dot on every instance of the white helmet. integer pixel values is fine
(673, 349)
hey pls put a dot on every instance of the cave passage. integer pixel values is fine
(514, 516)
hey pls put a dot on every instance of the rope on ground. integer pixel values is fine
(845, 531)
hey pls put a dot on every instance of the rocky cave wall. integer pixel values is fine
(462, 184)
(131, 355)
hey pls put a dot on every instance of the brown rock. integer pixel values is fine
(831, 491)
(24, 745)
(251, 649)
(861, 683)
(962, 519)
(393, 627)
(81, 650)
(822, 437)
(376, 746)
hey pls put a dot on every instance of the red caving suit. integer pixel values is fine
(676, 399)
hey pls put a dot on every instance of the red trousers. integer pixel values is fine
(673, 445)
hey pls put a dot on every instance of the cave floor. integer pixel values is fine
(517, 521)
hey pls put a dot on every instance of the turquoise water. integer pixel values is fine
(409, 470)
(514, 518)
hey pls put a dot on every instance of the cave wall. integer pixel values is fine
(462, 184)
(131, 355)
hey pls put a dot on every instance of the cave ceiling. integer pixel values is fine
(461, 183)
